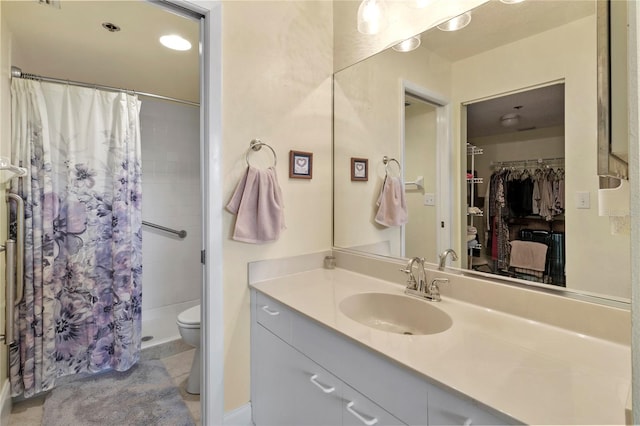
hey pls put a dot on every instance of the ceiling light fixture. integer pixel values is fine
(372, 17)
(175, 42)
(408, 45)
(509, 120)
(511, 1)
(456, 23)
(419, 4)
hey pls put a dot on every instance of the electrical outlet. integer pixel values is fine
(429, 199)
(583, 200)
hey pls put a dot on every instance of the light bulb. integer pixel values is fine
(456, 23)
(408, 45)
(371, 16)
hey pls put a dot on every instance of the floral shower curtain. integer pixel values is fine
(81, 310)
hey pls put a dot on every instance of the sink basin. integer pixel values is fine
(395, 313)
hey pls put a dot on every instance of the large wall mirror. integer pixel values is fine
(514, 92)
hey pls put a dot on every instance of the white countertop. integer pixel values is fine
(533, 372)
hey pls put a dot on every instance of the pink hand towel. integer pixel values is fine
(392, 207)
(528, 255)
(257, 202)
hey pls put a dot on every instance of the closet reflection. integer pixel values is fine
(515, 186)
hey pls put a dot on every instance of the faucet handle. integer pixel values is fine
(434, 290)
(411, 281)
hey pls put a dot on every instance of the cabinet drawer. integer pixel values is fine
(359, 410)
(273, 316)
(395, 388)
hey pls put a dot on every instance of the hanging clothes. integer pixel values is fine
(499, 212)
(81, 310)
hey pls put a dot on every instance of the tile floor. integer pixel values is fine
(29, 412)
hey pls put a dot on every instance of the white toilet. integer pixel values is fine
(189, 326)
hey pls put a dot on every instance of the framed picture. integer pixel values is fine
(300, 164)
(359, 169)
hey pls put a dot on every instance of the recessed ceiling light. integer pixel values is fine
(456, 23)
(511, 1)
(408, 45)
(175, 42)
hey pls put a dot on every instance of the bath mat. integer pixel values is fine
(144, 395)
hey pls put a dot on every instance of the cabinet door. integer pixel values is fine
(358, 410)
(289, 388)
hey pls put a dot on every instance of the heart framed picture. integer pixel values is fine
(300, 165)
(359, 169)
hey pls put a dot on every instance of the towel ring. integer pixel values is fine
(386, 160)
(256, 145)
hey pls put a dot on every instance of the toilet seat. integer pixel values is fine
(190, 318)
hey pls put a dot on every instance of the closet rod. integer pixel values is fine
(17, 73)
(534, 161)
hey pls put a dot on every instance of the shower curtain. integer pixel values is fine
(81, 310)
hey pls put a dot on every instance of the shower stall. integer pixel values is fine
(172, 277)
(90, 155)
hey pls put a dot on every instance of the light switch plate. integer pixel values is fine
(583, 200)
(429, 199)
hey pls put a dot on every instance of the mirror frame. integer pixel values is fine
(609, 165)
(610, 168)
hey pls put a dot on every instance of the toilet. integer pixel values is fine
(189, 326)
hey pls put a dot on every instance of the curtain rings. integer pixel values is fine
(256, 145)
(387, 161)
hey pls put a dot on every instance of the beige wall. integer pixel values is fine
(596, 260)
(277, 65)
(369, 99)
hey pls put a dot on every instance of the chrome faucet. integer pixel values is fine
(443, 258)
(418, 287)
(412, 283)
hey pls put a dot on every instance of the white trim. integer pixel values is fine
(634, 180)
(444, 195)
(212, 324)
(5, 403)
(241, 416)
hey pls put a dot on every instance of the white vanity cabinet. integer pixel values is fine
(289, 388)
(303, 373)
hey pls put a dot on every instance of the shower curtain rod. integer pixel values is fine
(17, 73)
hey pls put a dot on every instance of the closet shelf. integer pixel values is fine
(474, 150)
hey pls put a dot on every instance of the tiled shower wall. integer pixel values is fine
(171, 197)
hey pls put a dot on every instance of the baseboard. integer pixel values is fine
(5, 403)
(239, 417)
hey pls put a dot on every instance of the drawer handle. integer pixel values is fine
(367, 421)
(325, 389)
(269, 311)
